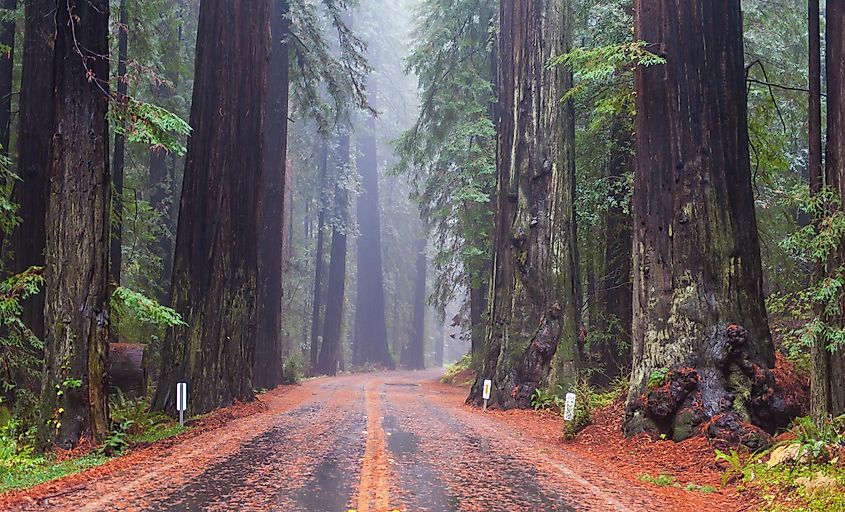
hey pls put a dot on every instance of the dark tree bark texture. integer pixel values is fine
(415, 359)
(698, 295)
(215, 276)
(317, 297)
(34, 143)
(331, 350)
(268, 343)
(7, 39)
(828, 385)
(369, 342)
(119, 160)
(616, 286)
(74, 390)
(533, 314)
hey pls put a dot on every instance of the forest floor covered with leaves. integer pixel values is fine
(406, 441)
(389, 441)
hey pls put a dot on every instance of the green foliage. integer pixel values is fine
(738, 467)
(30, 472)
(20, 362)
(318, 66)
(816, 243)
(145, 123)
(457, 368)
(542, 398)
(658, 377)
(294, 369)
(133, 423)
(819, 439)
(127, 303)
(449, 153)
(662, 480)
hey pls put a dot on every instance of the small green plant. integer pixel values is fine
(542, 398)
(455, 369)
(706, 489)
(658, 377)
(737, 468)
(662, 480)
(293, 369)
(818, 439)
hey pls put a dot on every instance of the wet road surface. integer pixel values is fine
(372, 442)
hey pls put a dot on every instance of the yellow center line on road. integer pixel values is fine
(374, 489)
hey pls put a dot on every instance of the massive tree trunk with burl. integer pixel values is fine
(533, 314)
(369, 343)
(701, 342)
(215, 276)
(828, 382)
(268, 342)
(74, 391)
(34, 141)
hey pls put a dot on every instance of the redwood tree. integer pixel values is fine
(331, 350)
(828, 393)
(268, 343)
(74, 393)
(34, 144)
(369, 343)
(119, 160)
(7, 39)
(698, 293)
(532, 334)
(415, 356)
(317, 296)
(215, 276)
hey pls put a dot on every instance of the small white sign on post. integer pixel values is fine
(488, 387)
(569, 407)
(182, 400)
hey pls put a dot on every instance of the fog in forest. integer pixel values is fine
(336, 239)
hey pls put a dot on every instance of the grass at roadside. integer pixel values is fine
(134, 425)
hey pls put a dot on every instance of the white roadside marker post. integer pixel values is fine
(569, 407)
(182, 401)
(488, 386)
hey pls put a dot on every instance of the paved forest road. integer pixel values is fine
(373, 442)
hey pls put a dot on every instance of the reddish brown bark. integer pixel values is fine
(698, 292)
(215, 277)
(34, 142)
(828, 395)
(74, 392)
(532, 328)
(268, 343)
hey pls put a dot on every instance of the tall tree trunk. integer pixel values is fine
(7, 40)
(74, 391)
(215, 276)
(828, 395)
(415, 359)
(440, 343)
(533, 314)
(477, 307)
(317, 301)
(34, 144)
(268, 343)
(369, 342)
(161, 199)
(331, 350)
(118, 162)
(698, 288)
(616, 288)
